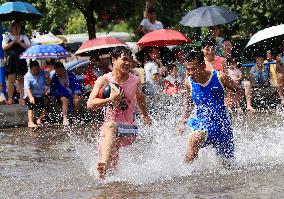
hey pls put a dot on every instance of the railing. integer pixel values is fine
(252, 64)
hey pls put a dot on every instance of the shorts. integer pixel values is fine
(40, 103)
(16, 66)
(221, 138)
(125, 136)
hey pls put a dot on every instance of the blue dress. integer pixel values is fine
(211, 115)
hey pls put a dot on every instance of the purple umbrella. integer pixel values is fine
(53, 51)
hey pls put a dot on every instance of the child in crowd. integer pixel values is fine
(34, 92)
(236, 75)
(66, 89)
(173, 82)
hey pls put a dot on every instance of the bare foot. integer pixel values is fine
(102, 168)
(239, 110)
(282, 102)
(32, 125)
(22, 102)
(250, 108)
(65, 122)
(9, 102)
(39, 122)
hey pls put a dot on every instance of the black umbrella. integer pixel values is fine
(208, 16)
(19, 11)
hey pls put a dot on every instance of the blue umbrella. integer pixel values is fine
(208, 16)
(52, 51)
(18, 11)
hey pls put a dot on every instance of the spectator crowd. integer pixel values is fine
(162, 76)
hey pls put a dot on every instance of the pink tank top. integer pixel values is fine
(124, 116)
(219, 63)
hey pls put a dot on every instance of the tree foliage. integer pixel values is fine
(254, 15)
(63, 16)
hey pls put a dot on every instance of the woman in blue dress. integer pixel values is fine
(212, 125)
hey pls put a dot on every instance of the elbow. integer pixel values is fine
(90, 106)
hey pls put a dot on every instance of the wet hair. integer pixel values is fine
(231, 61)
(151, 10)
(34, 64)
(172, 65)
(209, 41)
(119, 50)
(195, 55)
(58, 65)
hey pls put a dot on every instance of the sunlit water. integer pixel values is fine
(61, 163)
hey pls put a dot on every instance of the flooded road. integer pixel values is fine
(53, 162)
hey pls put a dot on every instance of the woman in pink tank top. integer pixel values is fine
(119, 128)
(212, 61)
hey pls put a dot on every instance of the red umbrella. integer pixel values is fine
(163, 37)
(104, 44)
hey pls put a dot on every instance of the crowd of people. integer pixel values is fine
(210, 77)
(162, 75)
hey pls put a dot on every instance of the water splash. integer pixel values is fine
(159, 152)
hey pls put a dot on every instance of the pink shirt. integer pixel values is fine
(124, 116)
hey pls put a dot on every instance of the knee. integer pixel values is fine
(64, 100)
(110, 128)
(76, 100)
(247, 84)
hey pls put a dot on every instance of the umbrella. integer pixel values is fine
(163, 37)
(46, 39)
(208, 16)
(100, 45)
(18, 11)
(266, 39)
(53, 51)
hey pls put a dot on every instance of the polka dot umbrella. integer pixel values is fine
(43, 51)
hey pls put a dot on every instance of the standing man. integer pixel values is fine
(212, 126)
(150, 23)
(119, 128)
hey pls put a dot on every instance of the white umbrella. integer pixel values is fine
(46, 39)
(267, 35)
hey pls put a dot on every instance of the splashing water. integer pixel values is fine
(158, 153)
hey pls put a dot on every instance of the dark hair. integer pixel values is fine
(172, 65)
(231, 61)
(151, 10)
(209, 41)
(58, 65)
(34, 64)
(119, 50)
(195, 55)
(227, 39)
(149, 50)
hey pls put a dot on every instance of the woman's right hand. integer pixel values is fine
(116, 96)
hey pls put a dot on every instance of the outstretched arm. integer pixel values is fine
(141, 102)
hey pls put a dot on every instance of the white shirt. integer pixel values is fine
(151, 26)
(7, 37)
(171, 79)
(150, 68)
